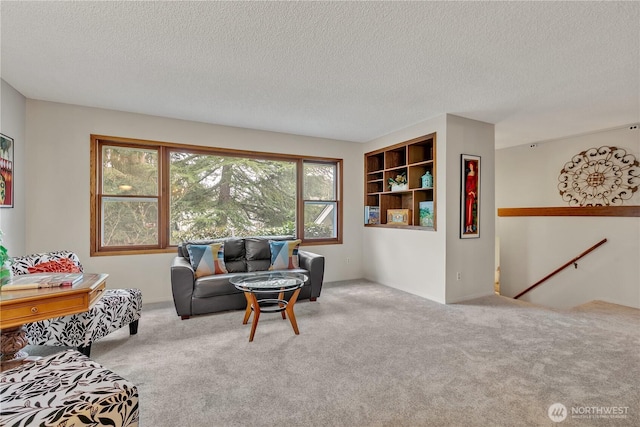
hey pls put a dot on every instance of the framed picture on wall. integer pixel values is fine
(470, 196)
(6, 171)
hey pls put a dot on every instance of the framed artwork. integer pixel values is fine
(426, 213)
(470, 196)
(399, 216)
(6, 171)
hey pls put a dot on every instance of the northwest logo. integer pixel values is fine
(557, 412)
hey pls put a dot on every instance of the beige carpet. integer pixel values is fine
(369, 355)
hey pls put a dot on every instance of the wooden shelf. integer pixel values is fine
(412, 158)
(410, 227)
(623, 211)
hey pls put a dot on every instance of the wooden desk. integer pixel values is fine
(32, 305)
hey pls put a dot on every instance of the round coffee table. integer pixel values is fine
(269, 283)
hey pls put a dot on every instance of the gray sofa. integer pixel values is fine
(242, 256)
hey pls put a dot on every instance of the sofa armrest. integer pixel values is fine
(182, 283)
(314, 264)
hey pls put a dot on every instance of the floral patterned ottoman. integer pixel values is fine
(66, 389)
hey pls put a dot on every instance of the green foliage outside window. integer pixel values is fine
(320, 192)
(222, 196)
(209, 196)
(130, 212)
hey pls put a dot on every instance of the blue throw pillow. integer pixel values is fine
(207, 260)
(284, 254)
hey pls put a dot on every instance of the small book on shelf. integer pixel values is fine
(42, 280)
(372, 215)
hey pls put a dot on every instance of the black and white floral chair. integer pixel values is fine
(115, 309)
(66, 389)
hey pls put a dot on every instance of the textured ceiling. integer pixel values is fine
(345, 70)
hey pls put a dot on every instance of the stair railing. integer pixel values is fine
(557, 270)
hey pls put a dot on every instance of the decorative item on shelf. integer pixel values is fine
(371, 215)
(399, 183)
(427, 180)
(605, 176)
(399, 216)
(426, 214)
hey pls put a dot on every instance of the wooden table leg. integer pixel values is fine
(247, 311)
(12, 341)
(256, 316)
(289, 310)
(281, 305)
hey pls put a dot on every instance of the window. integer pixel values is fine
(320, 200)
(129, 209)
(222, 196)
(149, 196)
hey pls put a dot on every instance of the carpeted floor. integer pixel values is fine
(369, 355)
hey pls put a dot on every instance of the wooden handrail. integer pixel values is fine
(623, 211)
(557, 270)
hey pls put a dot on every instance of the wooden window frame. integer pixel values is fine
(337, 200)
(164, 150)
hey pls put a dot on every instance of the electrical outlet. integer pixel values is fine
(458, 276)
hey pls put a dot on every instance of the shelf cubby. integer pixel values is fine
(395, 158)
(375, 187)
(421, 151)
(414, 176)
(375, 163)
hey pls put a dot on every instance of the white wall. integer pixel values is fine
(12, 124)
(425, 263)
(474, 259)
(532, 247)
(410, 260)
(58, 186)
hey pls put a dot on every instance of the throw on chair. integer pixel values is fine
(115, 309)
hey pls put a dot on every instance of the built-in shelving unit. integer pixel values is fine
(413, 158)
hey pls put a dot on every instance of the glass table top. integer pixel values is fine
(269, 281)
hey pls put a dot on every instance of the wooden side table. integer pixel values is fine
(25, 306)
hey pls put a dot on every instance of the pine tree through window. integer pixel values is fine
(150, 196)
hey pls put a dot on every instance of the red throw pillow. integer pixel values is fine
(63, 265)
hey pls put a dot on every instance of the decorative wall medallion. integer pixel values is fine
(605, 176)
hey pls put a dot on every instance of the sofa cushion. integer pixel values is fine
(234, 256)
(258, 254)
(257, 249)
(207, 260)
(284, 254)
(211, 286)
(183, 248)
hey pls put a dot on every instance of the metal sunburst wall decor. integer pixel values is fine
(605, 176)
